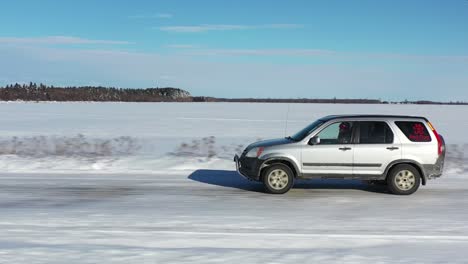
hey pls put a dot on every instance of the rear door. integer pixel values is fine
(333, 156)
(376, 147)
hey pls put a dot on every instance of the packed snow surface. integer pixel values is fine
(155, 183)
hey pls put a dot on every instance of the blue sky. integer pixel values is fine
(391, 50)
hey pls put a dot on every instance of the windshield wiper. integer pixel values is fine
(290, 138)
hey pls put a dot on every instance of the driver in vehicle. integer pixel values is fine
(344, 136)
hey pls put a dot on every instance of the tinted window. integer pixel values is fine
(336, 133)
(375, 133)
(414, 131)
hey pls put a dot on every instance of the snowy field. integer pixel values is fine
(155, 183)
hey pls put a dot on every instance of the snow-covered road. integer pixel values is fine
(215, 215)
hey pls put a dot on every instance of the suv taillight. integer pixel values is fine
(439, 139)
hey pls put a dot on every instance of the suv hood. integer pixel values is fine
(269, 143)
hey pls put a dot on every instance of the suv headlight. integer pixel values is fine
(255, 152)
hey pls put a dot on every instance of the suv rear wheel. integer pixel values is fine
(278, 179)
(403, 179)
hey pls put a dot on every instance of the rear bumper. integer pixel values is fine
(248, 168)
(435, 170)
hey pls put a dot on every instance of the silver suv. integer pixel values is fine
(399, 151)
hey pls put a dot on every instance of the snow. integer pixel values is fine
(150, 137)
(154, 183)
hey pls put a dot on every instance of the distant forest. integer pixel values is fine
(41, 92)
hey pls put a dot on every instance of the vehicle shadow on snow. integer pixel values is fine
(226, 179)
(232, 179)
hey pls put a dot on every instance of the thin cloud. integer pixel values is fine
(196, 51)
(181, 46)
(208, 27)
(63, 40)
(157, 15)
(163, 15)
(263, 52)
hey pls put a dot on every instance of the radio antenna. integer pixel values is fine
(286, 122)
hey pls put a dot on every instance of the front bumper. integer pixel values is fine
(248, 168)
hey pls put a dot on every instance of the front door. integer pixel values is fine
(333, 156)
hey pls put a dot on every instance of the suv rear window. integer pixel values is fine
(371, 132)
(414, 131)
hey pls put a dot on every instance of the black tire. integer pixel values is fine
(403, 179)
(278, 184)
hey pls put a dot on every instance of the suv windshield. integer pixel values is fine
(306, 131)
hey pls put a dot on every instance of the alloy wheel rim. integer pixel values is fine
(405, 180)
(278, 179)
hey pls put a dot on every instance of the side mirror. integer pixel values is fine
(314, 141)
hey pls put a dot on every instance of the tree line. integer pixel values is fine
(42, 92)
(322, 101)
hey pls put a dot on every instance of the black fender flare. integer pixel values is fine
(270, 159)
(416, 164)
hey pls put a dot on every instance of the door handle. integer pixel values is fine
(344, 148)
(393, 148)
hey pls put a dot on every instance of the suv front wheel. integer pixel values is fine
(278, 179)
(403, 179)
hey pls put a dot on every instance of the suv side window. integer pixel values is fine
(414, 131)
(336, 133)
(375, 132)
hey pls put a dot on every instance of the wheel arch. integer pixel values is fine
(279, 160)
(413, 163)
